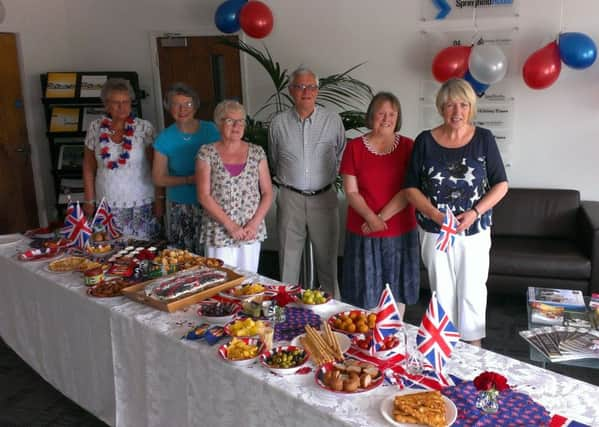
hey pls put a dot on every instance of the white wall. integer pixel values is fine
(555, 129)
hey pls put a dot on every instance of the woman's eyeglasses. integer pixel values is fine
(234, 122)
(183, 105)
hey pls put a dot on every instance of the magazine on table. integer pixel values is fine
(570, 299)
(563, 343)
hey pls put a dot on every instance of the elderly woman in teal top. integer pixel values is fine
(174, 165)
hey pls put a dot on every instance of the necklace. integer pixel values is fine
(126, 144)
(379, 153)
(186, 136)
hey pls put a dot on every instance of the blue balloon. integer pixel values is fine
(577, 50)
(226, 16)
(479, 88)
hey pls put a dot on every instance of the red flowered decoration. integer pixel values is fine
(126, 145)
(488, 381)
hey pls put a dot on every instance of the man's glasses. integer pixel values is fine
(233, 122)
(304, 87)
(115, 102)
(183, 105)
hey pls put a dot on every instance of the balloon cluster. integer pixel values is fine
(543, 67)
(481, 65)
(254, 17)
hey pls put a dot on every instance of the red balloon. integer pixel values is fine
(542, 68)
(256, 19)
(451, 62)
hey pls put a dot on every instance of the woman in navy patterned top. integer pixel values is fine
(457, 166)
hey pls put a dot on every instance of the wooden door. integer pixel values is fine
(18, 208)
(211, 68)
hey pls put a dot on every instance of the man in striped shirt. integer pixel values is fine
(306, 143)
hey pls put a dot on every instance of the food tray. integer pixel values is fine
(137, 292)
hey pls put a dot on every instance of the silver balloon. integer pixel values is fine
(487, 63)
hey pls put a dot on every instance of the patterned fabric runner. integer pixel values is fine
(515, 408)
(296, 318)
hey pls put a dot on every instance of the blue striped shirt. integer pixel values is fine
(305, 154)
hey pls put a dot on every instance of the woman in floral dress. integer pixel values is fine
(117, 163)
(235, 190)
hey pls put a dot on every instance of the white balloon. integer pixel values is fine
(487, 63)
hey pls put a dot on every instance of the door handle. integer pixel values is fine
(22, 149)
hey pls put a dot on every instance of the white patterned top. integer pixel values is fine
(128, 185)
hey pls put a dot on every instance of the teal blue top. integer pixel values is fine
(181, 150)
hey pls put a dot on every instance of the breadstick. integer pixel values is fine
(318, 340)
(314, 353)
(334, 342)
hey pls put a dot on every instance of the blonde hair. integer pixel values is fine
(456, 89)
(224, 106)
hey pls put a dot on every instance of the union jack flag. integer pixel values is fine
(436, 335)
(388, 319)
(104, 217)
(448, 232)
(75, 229)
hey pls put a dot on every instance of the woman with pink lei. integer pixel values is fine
(117, 163)
(235, 190)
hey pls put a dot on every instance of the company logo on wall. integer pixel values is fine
(463, 9)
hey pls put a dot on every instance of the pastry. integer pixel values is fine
(425, 408)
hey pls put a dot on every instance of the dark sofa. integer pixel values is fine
(546, 238)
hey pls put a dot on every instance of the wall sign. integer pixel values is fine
(465, 9)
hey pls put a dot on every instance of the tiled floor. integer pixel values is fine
(27, 400)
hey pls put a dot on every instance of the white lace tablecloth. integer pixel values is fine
(126, 363)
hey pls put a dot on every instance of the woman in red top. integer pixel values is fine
(381, 243)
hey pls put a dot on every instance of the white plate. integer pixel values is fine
(342, 339)
(451, 412)
(9, 239)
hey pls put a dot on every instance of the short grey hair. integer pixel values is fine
(301, 70)
(183, 89)
(225, 106)
(456, 89)
(116, 84)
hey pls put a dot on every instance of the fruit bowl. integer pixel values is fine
(390, 344)
(284, 360)
(353, 322)
(216, 312)
(246, 327)
(312, 298)
(241, 351)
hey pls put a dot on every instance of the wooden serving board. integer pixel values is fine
(137, 292)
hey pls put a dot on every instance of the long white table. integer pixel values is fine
(125, 363)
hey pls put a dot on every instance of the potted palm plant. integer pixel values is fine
(340, 90)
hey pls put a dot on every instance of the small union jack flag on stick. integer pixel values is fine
(75, 229)
(105, 218)
(448, 232)
(388, 319)
(437, 335)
